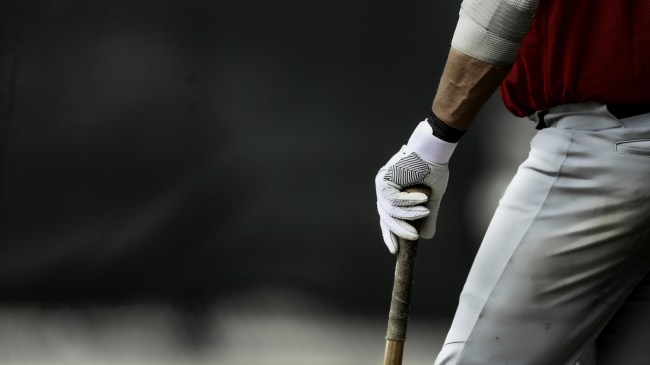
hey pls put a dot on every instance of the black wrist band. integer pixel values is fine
(443, 131)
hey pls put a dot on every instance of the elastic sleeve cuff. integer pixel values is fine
(477, 42)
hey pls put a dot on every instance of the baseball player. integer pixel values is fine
(561, 276)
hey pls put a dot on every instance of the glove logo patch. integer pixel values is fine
(410, 170)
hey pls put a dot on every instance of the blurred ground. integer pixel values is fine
(263, 327)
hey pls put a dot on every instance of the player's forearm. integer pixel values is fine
(465, 86)
(486, 41)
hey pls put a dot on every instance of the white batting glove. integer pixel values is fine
(422, 161)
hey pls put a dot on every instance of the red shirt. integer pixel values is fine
(582, 50)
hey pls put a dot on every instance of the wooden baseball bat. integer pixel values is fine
(399, 305)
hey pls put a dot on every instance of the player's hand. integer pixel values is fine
(414, 164)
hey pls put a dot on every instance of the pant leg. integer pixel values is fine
(589, 356)
(568, 243)
(626, 338)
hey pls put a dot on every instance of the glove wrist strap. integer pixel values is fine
(444, 131)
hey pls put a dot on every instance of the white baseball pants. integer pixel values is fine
(562, 274)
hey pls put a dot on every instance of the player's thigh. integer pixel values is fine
(566, 246)
(626, 338)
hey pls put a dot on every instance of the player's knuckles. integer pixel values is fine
(399, 199)
(409, 214)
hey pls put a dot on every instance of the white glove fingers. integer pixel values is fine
(390, 239)
(406, 230)
(404, 199)
(407, 213)
(397, 226)
(392, 193)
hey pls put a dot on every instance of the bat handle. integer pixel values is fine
(399, 305)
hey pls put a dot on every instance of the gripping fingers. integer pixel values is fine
(403, 199)
(393, 193)
(405, 213)
(397, 226)
(390, 239)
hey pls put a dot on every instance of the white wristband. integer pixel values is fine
(429, 147)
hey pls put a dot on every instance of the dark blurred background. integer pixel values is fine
(189, 152)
